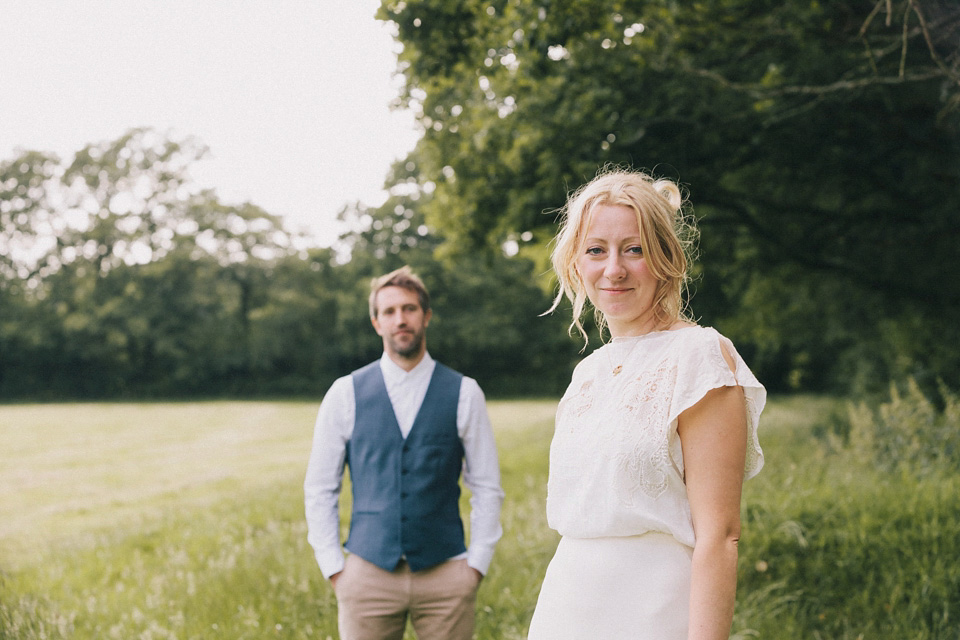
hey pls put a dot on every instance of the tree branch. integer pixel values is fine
(950, 73)
(759, 91)
(917, 292)
(873, 13)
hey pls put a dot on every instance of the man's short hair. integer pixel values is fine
(404, 278)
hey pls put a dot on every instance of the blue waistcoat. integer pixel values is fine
(406, 492)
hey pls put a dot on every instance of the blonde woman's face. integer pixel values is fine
(614, 271)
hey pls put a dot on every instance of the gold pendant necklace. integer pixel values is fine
(618, 368)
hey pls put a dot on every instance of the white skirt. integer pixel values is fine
(625, 588)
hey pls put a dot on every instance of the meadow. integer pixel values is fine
(185, 520)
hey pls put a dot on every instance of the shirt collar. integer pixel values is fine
(394, 373)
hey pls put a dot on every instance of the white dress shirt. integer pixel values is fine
(406, 389)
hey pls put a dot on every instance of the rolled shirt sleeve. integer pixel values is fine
(481, 474)
(324, 479)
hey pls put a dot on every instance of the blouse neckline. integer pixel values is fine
(650, 334)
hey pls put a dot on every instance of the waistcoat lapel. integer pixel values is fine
(379, 387)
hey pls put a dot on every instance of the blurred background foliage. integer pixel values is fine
(819, 143)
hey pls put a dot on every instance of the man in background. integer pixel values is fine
(406, 426)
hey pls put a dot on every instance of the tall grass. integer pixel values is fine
(208, 540)
(836, 546)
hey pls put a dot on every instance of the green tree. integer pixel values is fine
(29, 219)
(295, 344)
(120, 275)
(819, 142)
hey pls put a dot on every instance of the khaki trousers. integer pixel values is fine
(373, 604)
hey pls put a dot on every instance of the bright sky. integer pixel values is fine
(291, 96)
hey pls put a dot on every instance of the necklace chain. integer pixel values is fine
(618, 368)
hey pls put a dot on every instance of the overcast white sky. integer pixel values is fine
(291, 96)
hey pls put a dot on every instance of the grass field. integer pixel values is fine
(185, 520)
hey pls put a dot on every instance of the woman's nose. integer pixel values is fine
(614, 270)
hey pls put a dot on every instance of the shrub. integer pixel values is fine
(909, 433)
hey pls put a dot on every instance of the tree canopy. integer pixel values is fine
(120, 277)
(818, 141)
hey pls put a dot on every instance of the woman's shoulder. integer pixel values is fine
(689, 336)
(698, 335)
(588, 363)
(704, 346)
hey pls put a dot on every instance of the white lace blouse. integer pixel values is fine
(616, 465)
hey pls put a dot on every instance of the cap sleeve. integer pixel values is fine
(701, 367)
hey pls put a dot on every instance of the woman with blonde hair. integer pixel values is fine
(654, 435)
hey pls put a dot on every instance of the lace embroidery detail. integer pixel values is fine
(574, 407)
(642, 456)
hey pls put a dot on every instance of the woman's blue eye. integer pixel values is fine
(593, 251)
(635, 250)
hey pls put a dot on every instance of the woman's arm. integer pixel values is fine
(713, 435)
